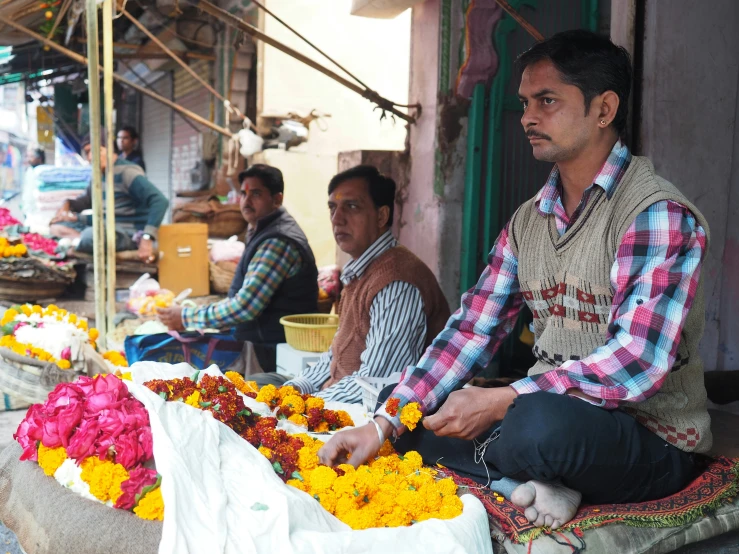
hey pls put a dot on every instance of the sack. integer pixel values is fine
(193, 348)
(223, 220)
(48, 518)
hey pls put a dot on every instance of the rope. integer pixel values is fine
(232, 156)
(230, 107)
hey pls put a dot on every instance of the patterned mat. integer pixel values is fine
(715, 486)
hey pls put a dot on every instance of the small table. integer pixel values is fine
(290, 362)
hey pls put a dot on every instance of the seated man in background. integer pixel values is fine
(391, 306)
(139, 206)
(276, 276)
(127, 141)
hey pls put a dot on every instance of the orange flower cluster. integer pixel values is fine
(8, 250)
(116, 358)
(303, 409)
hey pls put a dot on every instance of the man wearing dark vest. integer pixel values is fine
(391, 305)
(607, 256)
(276, 275)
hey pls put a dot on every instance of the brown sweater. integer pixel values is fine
(397, 264)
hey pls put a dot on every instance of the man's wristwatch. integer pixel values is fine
(147, 236)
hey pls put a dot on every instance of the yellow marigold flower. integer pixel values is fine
(322, 427)
(299, 419)
(298, 484)
(344, 485)
(314, 402)
(36, 309)
(321, 479)
(82, 324)
(363, 518)
(307, 458)
(26, 309)
(347, 468)
(194, 399)
(451, 507)
(266, 394)
(345, 419)
(104, 478)
(386, 449)
(398, 517)
(94, 334)
(51, 458)
(446, 487)
(266, 452)
(151, 506)
(72, 318)
(410, 462)
(284, 392)
(126, 376)
(294, 402)
(64, 364)
(327, 499)
(9, 316)
(410, 415)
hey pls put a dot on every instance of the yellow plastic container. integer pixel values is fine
(310, 332)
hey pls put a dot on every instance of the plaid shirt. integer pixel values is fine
(274, 261)
(655, 277)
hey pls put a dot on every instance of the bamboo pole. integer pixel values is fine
(110, 234)
(98, 233)
(233, 21)
(528, 27)
(82, 60)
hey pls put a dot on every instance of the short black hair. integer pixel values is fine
(132, 132)
(271, 177)
(590, 62)
(40, 154)
(381, 187)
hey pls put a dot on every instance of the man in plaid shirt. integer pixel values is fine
(604, 415)
(277, 274)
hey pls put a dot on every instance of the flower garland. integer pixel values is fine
(93, 430)
(410, 414)
(303, 409)
(390, 491)
(116, 358)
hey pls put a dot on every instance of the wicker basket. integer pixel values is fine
(310, 332)
(30, 279)
(221, 276)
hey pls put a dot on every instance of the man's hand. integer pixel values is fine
(146, 251)
(62, 216)
(467, 413)
(362, 443)
(172, 317)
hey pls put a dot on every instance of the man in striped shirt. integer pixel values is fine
(391, 304)
(608, 258)
(276, 276)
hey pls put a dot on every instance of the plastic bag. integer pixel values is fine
(226, 250)
(329, 284)
(145, 296)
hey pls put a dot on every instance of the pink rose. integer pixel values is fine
(107, 392)
(129, 452)
(66, 353)
(137, 479)
(29, 432)
(82, 443)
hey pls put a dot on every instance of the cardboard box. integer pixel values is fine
(183, 258)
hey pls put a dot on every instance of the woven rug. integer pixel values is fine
(715, 486)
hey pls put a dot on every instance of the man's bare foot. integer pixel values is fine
(546, 504)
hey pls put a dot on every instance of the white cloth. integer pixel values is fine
(222, 496)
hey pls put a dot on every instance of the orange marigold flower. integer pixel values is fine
(345, 420)
(266, 394)
(321, 479)
(298, 419)
(51, 458)
(392, 405)
(151, 506)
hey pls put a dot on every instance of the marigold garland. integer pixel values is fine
(50, 459)
(151, 506)
(116, 358)
(410, 414)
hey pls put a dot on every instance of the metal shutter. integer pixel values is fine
(156, 138)
(189, 94)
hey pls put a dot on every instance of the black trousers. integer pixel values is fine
(605, 454)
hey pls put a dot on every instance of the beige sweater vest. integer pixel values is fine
(566, 283)
(396, 264)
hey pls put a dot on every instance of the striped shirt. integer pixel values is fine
(654, 276)
(395, 339)
(275, 261)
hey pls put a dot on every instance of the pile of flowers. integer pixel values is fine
(49, 334)
(93, 437)
(390, 491)
(6, 219)
(40, 243)
(410, 414)
(8, 250)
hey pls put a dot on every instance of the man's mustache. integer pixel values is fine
(531, 133)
